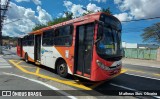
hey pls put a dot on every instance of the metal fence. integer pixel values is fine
(138, 53)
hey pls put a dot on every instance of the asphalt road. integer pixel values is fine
(134, 79)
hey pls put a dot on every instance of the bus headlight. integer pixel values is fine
(102, 66)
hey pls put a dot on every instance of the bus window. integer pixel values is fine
(30, 41)
(48, 38)
(24, 41)
(63, 36)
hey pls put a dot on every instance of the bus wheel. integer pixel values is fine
(26, 58)
(62, 69)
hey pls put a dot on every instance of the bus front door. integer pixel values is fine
(84, 49)
(37, 49)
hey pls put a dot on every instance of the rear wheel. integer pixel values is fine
(62, 69)
(26, 58)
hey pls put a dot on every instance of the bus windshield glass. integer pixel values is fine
(109, 36)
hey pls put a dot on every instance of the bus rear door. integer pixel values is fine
(37, 49)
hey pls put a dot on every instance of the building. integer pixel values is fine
(136, 45)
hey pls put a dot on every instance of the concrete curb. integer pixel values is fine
(148, 63)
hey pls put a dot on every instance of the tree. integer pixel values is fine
(107, 10)
(68, 16)
(87, 12)
(39, 26)
(56, 21)
(152, 33)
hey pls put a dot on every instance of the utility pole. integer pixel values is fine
(0, 29)
(3, 9)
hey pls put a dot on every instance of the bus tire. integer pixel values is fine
(26, 58)
(62, 69)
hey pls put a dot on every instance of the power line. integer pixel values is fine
(143, 19)
(12, 21)
(135, 27)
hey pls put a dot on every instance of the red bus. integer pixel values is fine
(88, 47)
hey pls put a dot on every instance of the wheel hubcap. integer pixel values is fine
(62, 69)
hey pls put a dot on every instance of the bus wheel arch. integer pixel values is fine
(61, 67)
(26, 57)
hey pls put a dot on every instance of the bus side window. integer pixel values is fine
(63, 36)
(48, 38)
(24, 41)
(30, 40)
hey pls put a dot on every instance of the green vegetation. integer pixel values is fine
(8, 37)
(106, 10)
(68, 16)
(152, 34)
(39, 26)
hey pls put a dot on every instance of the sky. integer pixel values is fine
(32, 12)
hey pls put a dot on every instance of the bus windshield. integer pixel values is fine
(109, 41)
(109, 44)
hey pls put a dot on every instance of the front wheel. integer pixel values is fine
(62, 69)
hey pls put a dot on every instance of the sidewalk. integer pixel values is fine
(148, 63)
(4, 63)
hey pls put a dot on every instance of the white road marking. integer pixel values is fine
(123, 87)
(158, 97)
(142, 76)
(42, 83)
(5, 66)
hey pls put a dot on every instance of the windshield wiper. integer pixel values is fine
(98, 40)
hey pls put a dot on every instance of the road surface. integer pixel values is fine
(134, 79)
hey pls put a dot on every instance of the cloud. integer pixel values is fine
(78, 9)
(43, 15)
(18, 28)
(28, 19)
(117, 1)
(93, 7)
(99, 1)
(3, 2)
(67, 3)
(123, 17)
(37, 2)
(139, 8)
(22, 0)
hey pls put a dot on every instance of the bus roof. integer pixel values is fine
(91, 17)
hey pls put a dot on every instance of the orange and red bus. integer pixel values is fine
(88, 47)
